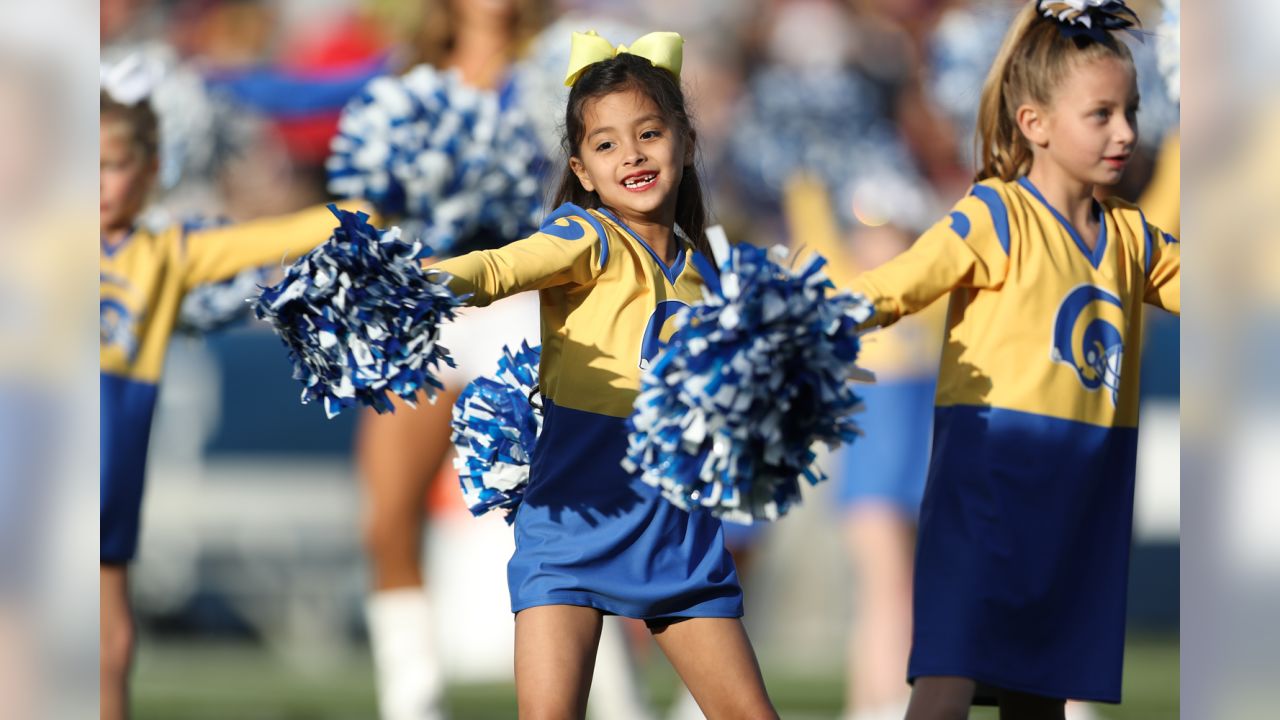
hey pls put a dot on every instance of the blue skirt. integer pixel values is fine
(888, 464)
(1023, 554)
(590, 534)
(126, 410)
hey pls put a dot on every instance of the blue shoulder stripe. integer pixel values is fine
(574, 231)
(960, 224)
(999, 213)
(707, 270)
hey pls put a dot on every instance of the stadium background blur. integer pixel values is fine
(250, 577)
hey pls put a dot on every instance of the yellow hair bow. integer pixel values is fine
(663, 49)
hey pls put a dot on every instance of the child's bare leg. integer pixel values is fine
(941, 698)
(116, 643)
(1024, 706)
(555, 653)
(880, 540)
(714, 658)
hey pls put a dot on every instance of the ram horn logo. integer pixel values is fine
(1087, 336)
(116, 327)
(655, 331)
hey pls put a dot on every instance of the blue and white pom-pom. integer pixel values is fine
(753, 376)
(835, 123)
(495, 426)
(218, 306)
(512, 187)
(427, 146)
(1169, 48)
(361, 317)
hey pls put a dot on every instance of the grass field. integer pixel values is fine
(242, 682)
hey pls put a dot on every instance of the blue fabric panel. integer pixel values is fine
(127, 407)
(1023, 554)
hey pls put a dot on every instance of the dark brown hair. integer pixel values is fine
(631, 72)
(1033, 59)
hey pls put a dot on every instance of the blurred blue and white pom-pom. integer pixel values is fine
(512, 187)
(1169, 48)
(834, 123)
(427, 146)
(361, 317)
(754, 375)
(961, 49)
(218, 306)
(495, 427)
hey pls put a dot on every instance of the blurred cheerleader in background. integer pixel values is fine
(144, 276)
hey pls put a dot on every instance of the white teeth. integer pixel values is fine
(638, 181)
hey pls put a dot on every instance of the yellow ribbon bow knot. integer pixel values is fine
(663, 49)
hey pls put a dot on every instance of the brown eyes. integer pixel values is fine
(646, 135)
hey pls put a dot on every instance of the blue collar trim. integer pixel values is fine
(1100, 249)
(676, 268)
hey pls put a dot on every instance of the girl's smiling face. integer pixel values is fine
(631, 156)
(1091, 128)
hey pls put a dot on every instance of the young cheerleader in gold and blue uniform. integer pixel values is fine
(1021, 567)
(144, 276)
(612, 265)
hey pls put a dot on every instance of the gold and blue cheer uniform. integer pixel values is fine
(142, 281)
(588, 533)
(1022, 562)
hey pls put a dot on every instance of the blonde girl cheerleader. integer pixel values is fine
(144, 276)
(1022, 557)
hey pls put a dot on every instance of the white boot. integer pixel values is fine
(409, 683)
(1081, 711)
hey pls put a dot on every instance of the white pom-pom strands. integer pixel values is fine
(496, 422)
(428, 147)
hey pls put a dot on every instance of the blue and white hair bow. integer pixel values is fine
(1092, 18)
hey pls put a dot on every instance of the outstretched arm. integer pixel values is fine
(1164, 271)
(215, 254)
(570, 248)
(968, 248)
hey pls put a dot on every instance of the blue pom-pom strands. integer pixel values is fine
(361, 317)
(753, 376)
(495, 426)
(427, 147)
(512, 189)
